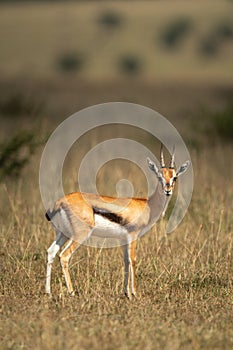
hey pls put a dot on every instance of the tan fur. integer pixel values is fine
(80, 204)
(64, 259)
(169, 174)
(136, 212)
(78, 215)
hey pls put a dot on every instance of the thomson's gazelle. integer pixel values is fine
(77, 216)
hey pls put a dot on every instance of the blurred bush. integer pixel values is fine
(130, 64)
(224, 30)
(220, 34)
(208, 45)
(175, 32)
(223, 122)
(16, 152)
(110, 19)
(18, 105)
(70, 62)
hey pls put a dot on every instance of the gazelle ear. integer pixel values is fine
(183, 168)
(152, 166)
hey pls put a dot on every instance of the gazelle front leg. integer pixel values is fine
(129, 251)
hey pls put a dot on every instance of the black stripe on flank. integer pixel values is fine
(47, 215)
(110, 216)
(50, 214)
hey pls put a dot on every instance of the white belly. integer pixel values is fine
(108, 229)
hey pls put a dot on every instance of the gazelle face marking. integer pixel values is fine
(168, 180)
(167, 176)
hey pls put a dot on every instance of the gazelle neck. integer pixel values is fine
(157, 203)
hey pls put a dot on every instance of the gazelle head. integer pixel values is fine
(167, 176)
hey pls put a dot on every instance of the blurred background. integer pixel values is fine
(57, 57)
(174, 56)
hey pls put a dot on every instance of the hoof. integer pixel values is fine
(131, 296)
(48, 296)
(128, 296)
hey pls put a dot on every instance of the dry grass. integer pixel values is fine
(184, 280)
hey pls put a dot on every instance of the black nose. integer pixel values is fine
(168, 193)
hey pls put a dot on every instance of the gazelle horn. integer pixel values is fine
(162, 164)
(172, 165)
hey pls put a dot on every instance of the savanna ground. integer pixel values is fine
(185, 283)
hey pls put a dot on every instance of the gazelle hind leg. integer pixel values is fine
(51, 253)
(65, 256)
